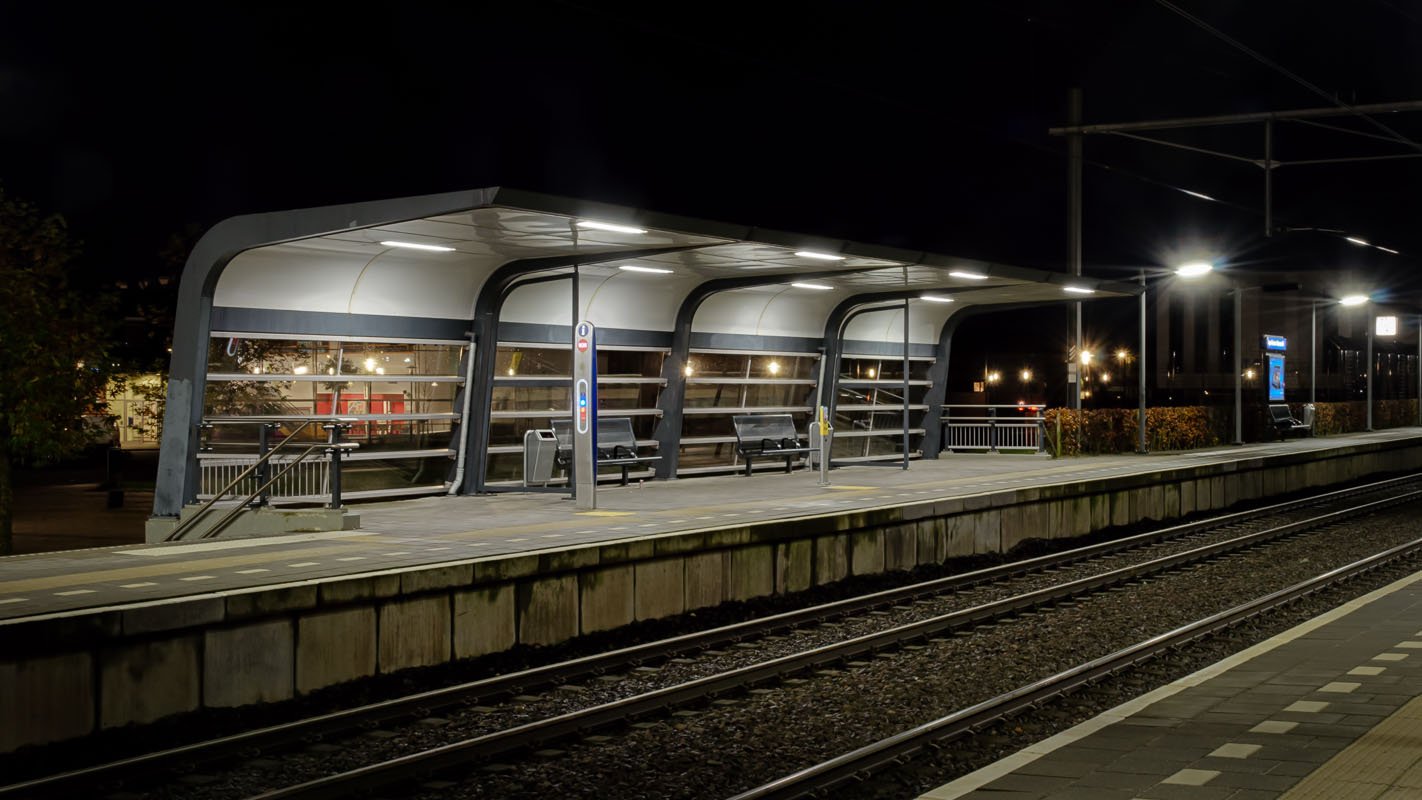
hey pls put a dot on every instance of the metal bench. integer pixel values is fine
(616, 446)
(1285, 423)
(760, 435)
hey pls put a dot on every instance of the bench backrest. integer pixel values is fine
(1281, 413)
(611, 432)
(755, 427)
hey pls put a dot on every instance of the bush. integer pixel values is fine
(1352, 416)
(1115, 430)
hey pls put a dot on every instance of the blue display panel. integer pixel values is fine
(1276, 379)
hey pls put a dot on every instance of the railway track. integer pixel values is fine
(894, 751)
(551, 729)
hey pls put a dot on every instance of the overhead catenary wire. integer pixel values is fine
(1279, 68)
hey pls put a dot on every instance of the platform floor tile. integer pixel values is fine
(1292, 717)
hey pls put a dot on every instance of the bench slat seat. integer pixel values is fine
(616, 445)
(761, 435)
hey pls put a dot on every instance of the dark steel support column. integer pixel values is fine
(1268, 178)
(937, 391)
(906, 383)
(1238, 365)
(1141, 373)
(486, 335)
(673, 395)
(1074, 159)
(578, 442)
(264, 432)
(1313, 352)
(333, 449)
(1372, 323)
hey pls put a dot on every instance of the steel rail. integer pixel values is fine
(895, 750)
(540, 732)
(524, 681)
(493, 688)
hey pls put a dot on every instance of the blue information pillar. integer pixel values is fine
(1274, 349)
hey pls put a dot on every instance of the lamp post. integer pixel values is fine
(1238, 365)
(1196, 269)
(1359, 300)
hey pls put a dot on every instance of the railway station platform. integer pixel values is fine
(100, 638)
(1328, 710)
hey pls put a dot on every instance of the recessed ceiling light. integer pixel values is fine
(1078, 290)
(635, 268)
(436, 248)
(1357, 241)
(933, 298)
(608, 226)
(820, 256)
(972, 276)
(811, 286)
(1354, 300)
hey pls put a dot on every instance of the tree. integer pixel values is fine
(54, 348)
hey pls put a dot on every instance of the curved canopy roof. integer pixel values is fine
(636, 267)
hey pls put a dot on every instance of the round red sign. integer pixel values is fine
(582, 345)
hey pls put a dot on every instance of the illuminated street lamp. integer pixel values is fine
(1358, 300)
(1122, 355)
(1025, 375)
(994, 377)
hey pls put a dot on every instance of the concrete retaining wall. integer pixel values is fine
(110, 667)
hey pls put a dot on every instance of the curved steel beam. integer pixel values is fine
(673, 396)
(187, 373)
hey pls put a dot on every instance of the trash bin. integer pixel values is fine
(540, 449)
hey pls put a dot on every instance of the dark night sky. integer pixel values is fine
(910, 124)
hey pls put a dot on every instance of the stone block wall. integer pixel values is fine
(64, 677)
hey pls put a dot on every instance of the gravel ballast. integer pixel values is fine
(740, 742)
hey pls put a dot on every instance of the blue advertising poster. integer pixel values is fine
(1276, 379)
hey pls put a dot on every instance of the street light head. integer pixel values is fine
(1025, 375)
(1122, 355)
(1354, 300)
(1194, 269)
(1086, 356)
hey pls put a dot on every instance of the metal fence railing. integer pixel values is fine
(993, 428)
(309, 480)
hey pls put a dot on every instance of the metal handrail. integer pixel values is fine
(183, 527)
(237, 509)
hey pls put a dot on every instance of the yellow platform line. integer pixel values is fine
(154, 569)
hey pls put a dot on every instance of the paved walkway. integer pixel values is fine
(1329, 710)
(417, 533)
